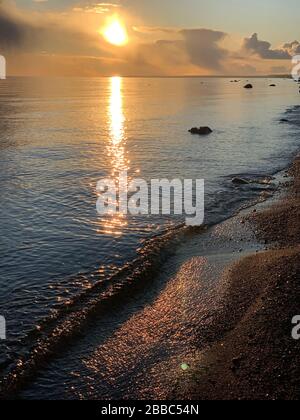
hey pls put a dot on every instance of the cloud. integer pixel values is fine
(237, 69)
(12, 32)
(280, 70)
(293, 47)
(52, 33)
(263, 49)
(154, 29)
(193, 51)
(162, 57)
(98, 8)
(203, 47)
(68, 42)
(164, 51)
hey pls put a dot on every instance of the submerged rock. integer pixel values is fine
(240, 181)
(248, 86)
(284, 120)
(202, 131)
(264, 180)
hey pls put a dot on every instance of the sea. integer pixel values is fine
(67, 273)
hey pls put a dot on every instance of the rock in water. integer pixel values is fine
(272, 85)
(249, 86)
(240, 181)
(202, 131)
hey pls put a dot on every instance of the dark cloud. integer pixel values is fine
(11, 32)
(291, 45)
(202, 45)
(264, 50)
(19, 33)
(198, 47)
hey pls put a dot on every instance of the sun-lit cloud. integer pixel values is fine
(293, 48)
(97, 8)
(103, 38)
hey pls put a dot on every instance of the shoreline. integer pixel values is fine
(219, 246)
(204, 307)
(257, 358)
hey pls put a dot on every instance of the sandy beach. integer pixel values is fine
(257, 358)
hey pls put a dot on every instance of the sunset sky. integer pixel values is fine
(149, 37)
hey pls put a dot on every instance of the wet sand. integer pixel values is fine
(257, 357)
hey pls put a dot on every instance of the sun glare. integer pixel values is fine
(115, 33)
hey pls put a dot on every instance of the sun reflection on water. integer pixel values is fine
(116, 149)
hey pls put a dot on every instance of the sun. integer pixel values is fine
(115, 33)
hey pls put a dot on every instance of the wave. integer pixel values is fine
(292, 115)
(58, 330)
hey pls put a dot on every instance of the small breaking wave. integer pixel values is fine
(292, 116)
(58, 330)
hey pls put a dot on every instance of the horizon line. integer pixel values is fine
(279, 76)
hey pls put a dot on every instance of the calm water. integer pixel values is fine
(59, 137)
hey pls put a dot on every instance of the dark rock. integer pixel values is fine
(202, 131)
(240, 181)
(272, 85)
(248, 86)
(284, 120)
(264, 180)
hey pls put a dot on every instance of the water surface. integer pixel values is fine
(58, 137)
